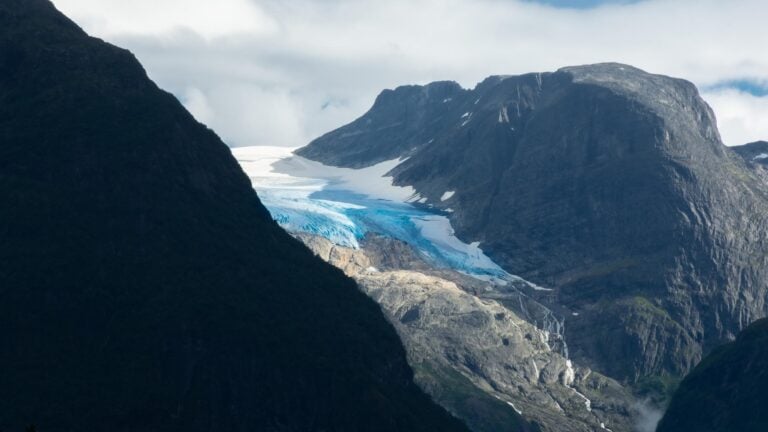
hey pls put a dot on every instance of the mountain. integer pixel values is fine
(726, 391)
(608, 184)
(473, 352)
(756, 156)
(756, 152)
(143, 286)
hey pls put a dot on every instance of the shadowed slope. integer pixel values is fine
(142, 284)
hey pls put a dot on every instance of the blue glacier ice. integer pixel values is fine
(345, 205)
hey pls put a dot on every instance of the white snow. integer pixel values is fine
(503, 116)
(761, 156)
(467, 116)
(575, 314)
(279, 162)
(569, 375)
(477, 101)
(515, 408)
(293, 193)
(446, 100)
(290, 186)
(587, 402)
(449, 210)
(447, 195)
(437, 230)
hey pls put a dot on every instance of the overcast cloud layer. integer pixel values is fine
(281, 72)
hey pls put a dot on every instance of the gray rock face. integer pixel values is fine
(604, 182)
(756, 156)
(756, 152)
(472, 353)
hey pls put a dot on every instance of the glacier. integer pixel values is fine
(344, 205)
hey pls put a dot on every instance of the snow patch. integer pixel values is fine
(467, 116)
(514, 408)
(503, 115)
(447, 195)
(761, 156)
(569, 375)
(446, 100)
(587, 402)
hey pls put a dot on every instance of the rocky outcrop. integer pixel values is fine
(726, 391)
(143, 286)
(608, 184)
(756, 156)
(470, 351)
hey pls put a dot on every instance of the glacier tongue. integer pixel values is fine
(343, 205)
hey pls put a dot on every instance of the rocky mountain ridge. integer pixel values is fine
(606, 183)
(457, 329)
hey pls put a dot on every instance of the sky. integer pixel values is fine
(282, 72)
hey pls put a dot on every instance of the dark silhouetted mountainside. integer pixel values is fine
(143, 286)
(609, 184)
(727, 391)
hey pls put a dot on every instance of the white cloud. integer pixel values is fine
(742, 117)
(197, 103)
(158, 17)
(281, 72)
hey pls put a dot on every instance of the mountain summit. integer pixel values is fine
(608, 184)
(143, 286)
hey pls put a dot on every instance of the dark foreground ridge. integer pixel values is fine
(143, 286)
(727, 391)
(604, 182)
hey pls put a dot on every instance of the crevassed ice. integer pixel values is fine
(344, 204)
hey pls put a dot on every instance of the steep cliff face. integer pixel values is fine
(606, 183)
(143, 286)
(726, 391)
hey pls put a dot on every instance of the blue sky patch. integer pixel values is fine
(751, 86)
